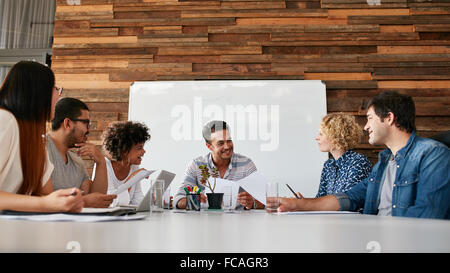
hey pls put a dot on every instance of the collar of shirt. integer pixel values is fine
(341, 161)
(385, 155)
(211, 164)
(403, 151)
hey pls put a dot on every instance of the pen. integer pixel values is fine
(75, 193)
(293, 191)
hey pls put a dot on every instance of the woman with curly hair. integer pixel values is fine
(338, 135)
(123, 143)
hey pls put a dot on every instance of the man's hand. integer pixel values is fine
(182, 202)
(245, 199)
(287, 204)
(98, 200)
(89, 149)
(86, 187)
(203, 198)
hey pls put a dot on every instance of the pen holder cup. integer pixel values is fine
(193, 202)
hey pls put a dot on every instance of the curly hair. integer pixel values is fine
(119, 138)
(342, 130)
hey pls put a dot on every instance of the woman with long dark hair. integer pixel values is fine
(27, 101)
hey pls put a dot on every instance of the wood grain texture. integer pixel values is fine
(358, 49)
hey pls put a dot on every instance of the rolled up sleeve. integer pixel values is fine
(344, 201)
(353, 199)
(190, 179)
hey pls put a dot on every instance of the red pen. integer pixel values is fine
(188, 188)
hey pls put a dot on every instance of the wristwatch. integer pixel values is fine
(255, 206)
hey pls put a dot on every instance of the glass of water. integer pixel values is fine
(157, 196)
(227, 198)
(272, 201)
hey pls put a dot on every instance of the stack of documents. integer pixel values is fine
(317, 212)
(86, 215)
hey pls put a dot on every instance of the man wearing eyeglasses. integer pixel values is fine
(66, 144)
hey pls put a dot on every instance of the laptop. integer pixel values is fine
(144, 205)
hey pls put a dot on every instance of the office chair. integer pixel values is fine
(443, 137)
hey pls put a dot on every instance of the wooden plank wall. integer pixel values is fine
(357, 47)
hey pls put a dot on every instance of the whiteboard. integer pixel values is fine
(273, 122)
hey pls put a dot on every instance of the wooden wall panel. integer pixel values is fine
(357, 47)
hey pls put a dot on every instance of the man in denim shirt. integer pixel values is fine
(411, 177)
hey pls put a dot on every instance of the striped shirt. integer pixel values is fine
(239, 167)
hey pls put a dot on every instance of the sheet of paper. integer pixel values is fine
(61, 217)
(255, 185)
(106, 210)
(317, 212)
(220, 184)
(98, 210)
(138, 177)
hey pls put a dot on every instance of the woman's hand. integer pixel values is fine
(134, 173)
(66, 200)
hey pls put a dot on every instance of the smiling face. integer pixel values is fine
(80, 130)
(136, 153)
(221, 145)
(378, 129)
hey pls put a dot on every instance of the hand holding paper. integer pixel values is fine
(245, 199)
(133, 179)
(255, 185)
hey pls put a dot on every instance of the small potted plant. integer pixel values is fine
(214, 199)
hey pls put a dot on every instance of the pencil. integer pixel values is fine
(293, 191)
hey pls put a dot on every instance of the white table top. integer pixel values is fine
(245, 232)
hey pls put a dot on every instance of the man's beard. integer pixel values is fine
(71, 139)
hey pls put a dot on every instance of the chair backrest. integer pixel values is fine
(443, 137)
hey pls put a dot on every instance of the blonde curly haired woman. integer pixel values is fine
(339, 134)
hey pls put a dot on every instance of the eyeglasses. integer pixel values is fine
(59, 90)
(85, 121)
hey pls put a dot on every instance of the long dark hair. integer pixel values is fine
(27, 93)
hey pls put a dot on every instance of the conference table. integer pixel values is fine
(253, 231)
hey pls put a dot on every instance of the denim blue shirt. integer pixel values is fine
(339, 176)
(421, 187)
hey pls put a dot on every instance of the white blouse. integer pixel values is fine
(133, 196)
(11, 176)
